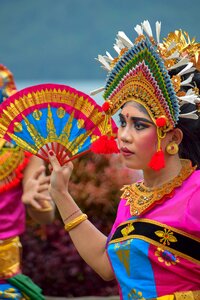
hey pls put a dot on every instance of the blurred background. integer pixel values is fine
(48, 40)
(57, 41)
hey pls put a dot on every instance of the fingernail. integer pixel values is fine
(51, 153)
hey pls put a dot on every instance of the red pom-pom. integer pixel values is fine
(157, 161)
(106, 106)
(105, 145)
(161, 122)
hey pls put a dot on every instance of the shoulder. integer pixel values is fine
(193, 182)
(193, 189)
(123, 207)
(123, 212)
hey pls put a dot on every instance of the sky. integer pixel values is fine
(56, 40)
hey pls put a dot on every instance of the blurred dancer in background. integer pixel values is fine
(23, 186)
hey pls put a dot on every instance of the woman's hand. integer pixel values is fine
(35, 189)
(59, 177)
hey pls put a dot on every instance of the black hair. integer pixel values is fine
(190, 145)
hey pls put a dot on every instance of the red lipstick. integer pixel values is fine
(126, 152)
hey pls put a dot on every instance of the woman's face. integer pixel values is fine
(137, 136)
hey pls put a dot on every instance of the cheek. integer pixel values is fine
(149, 140)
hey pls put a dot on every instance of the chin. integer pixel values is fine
(132, 165)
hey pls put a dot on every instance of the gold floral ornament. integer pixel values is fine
(176, 81)
(128, 229)
(196, 60)
(60, 112)
(181, 93)
(166, 257)
(134, 294)
(169, 63)
(167, 236)
(181, 42)
(37, 114)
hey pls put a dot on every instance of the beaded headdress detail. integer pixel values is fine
(7, 84)
(142, 71)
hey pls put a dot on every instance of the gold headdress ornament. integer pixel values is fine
(13, 159)
(141, 72)
(7, 84)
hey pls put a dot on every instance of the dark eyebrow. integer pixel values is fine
(137, 119)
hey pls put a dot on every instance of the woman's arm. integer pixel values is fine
(88, 240)
(35, 192)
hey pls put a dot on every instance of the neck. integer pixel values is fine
(156, 178)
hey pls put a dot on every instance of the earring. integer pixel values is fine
(172, 148)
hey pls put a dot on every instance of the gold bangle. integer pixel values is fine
(75, 222)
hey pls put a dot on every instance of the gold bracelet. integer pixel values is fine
(75, 222)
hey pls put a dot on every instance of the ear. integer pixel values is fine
(177, 135)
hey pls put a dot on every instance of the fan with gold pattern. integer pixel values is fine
(53, 116)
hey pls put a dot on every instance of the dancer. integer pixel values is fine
(23, 184)
(154, 245)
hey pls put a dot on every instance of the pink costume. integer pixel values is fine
(12, 211)
(144, 269)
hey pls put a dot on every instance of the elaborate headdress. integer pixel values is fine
(142, 72)
(7, 84)
(13, 159)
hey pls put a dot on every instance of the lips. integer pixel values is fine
(125, 151)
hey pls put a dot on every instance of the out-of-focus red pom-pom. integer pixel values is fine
(161, 121)
(105, 145)
(157, 161)
(106, 106)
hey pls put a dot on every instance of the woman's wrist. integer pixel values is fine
(66, 205)
(58, 196)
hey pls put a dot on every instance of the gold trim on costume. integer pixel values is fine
(156, 243)
(187, 295)
(10, 158)
(164, 225)
(9, 257)
(141, 198)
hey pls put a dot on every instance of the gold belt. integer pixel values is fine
(9, 257)
(189, 295)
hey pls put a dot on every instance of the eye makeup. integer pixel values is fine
(134, 119)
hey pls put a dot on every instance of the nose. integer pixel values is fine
(125, 135)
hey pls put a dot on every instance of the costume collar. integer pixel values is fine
(142, 198)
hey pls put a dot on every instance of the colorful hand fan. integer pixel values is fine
(53, 116)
